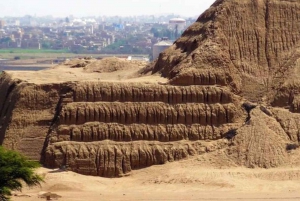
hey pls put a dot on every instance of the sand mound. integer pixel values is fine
(113, 64)
(63, 187)
(261, 142)
(105, 65)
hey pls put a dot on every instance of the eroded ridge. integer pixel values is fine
(250, 46)
(112, 159)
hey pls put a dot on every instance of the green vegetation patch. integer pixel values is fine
(14, 170)
(30, 51)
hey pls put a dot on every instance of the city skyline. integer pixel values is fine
(80, 8)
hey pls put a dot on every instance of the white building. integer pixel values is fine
(160, 47)
(177, 25)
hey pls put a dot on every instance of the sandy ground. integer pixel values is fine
(60, 74)
(185, 180)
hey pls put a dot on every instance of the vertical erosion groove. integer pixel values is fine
(267, 28)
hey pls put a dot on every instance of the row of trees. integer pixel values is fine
(124, 46)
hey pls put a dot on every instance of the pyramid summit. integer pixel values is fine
(240, 43)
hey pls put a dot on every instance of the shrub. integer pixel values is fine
(15, 168)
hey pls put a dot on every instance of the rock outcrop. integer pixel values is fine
(233, 84)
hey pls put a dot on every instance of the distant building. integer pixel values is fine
(137, 58)
(177, 25)
(17, 34)
(2, 24)
(26, 36)
(160, 47)
(30, 44)
(12, 22)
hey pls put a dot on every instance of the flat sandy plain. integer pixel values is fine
(197, 178)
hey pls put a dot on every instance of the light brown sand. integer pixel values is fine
(184, 180)
(66, 74)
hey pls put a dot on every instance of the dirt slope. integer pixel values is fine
(249, 45)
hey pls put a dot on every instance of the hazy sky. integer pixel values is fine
(62, 8)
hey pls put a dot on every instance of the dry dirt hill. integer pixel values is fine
(229, 85)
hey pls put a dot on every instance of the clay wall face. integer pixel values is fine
(153, 118)
(26, 114)
(45, 122)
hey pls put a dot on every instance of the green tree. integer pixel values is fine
(46, 45)
(155, 32)
(15, 169)
(5, 40)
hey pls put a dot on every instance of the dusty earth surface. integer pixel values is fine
(78, 70)
(196, 178)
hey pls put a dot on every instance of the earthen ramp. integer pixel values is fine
(231, 85)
